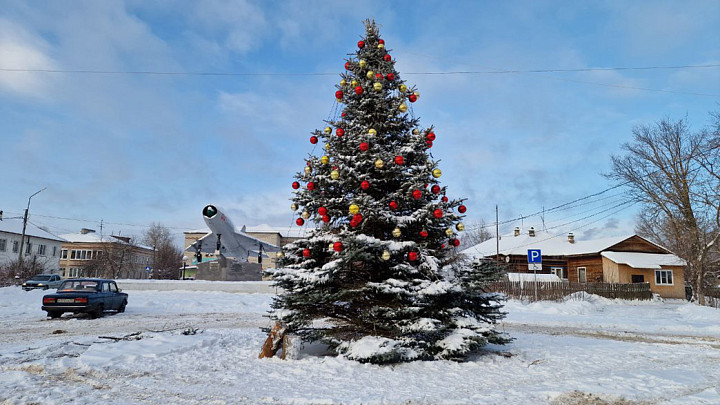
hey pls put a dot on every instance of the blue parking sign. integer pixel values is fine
(534, 256)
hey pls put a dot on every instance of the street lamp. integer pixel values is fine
(25, 219)
(185, 258)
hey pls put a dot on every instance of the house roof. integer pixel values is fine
(644, 260)
(94, 237)
(15, 225)
(549, 244)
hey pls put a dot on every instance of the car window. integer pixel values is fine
(113, 287)
(41, 278)
(105, 287)
(77, 285)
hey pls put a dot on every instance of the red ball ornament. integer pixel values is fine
(424, 233)
(295, 185)
(444, 199)
(430, 136)
(300, 222)
(381, 41)
(455, 242)
(442, 246)
(438, 213)
(412, 98)
(322, 211)
(340, 132)
(393, 205)
(339, 94)
(358, 91)
(313, 139)
(462, 209)
(325, 219)
(399, 160)
(354, 223)
(379, 76)
(364, 146)
(342, 114)
(412, 256)
(435, 189)
(387, 57)
(357, 218)
(361, 44)
(311, 186)
(347, 66)
(365, 185)
(417, 194)
(428, 144)
(337, 246)
(390, 76)
(306, 252)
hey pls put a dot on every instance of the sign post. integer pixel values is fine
(535, 264)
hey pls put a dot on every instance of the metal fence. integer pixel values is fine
(556, 291)
(712, 297)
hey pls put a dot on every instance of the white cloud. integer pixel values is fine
(19, 49)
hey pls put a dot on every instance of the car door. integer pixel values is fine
(105, 296)
(115, 294)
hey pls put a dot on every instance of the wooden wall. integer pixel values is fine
(593, 267)
(636, 244)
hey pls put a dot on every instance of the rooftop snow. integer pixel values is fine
(285, 232)
(644, 260)
(15, 225)
(94, 237)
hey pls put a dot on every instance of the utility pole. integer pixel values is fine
(25, 220)
(497, 235)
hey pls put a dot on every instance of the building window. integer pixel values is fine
(63, 253)
(54, 251)
(3, 245)
(582, 275)
(41, 250)
(663, 277)
(558, 271)
(28, 248)
(72, 255)
(16, 246)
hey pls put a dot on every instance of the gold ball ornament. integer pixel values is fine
(343, 82)
(396, 232)
(280, 255)
(377, 86)
(354, 83)
(325, 160)
(327, 130)
(385, 255)
(403, 88)
(305, 215)
(372, 131)
(362, 63)
(379, 164)
(334, 174)
(354, 209)
(460, 226)
(293, 207)
(449, 232)
(416, 93)
(327, 146)
(402, 107)
(370, 74)
(330, 246)
(416, 131)
(381, 46)
(307, 169)
(437, 173)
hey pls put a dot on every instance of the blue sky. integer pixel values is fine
(136, 149)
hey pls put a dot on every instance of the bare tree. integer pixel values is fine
(476, 233)
(673, 172)
(115, 260)
(167, 258)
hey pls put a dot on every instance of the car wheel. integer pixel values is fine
(122, 306)
(54, 314)
(98, 313)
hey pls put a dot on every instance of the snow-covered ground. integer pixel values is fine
(584, 351)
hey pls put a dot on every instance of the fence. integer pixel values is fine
(556, 291)
(712, 297)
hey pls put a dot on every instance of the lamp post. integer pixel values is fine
(25, 219)
(184, 265)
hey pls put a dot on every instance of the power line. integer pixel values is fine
(458, 72)
(104, 222)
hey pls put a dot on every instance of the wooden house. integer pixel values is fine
(622, 259)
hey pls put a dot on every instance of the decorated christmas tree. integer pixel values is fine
(378, 278)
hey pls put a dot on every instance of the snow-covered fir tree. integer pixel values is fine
(379, 279)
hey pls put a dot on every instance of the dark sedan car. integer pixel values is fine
(87, 295)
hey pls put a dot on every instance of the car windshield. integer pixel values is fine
(79, 285)
(40, 278)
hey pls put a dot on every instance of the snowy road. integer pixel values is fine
(589, 351)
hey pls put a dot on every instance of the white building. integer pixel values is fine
(40, 245)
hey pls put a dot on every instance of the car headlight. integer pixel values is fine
(40, 284)
(24, 284)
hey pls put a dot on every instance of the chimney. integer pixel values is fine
(517, 231)
(571, 238)
(86, 231)
(531, 232)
